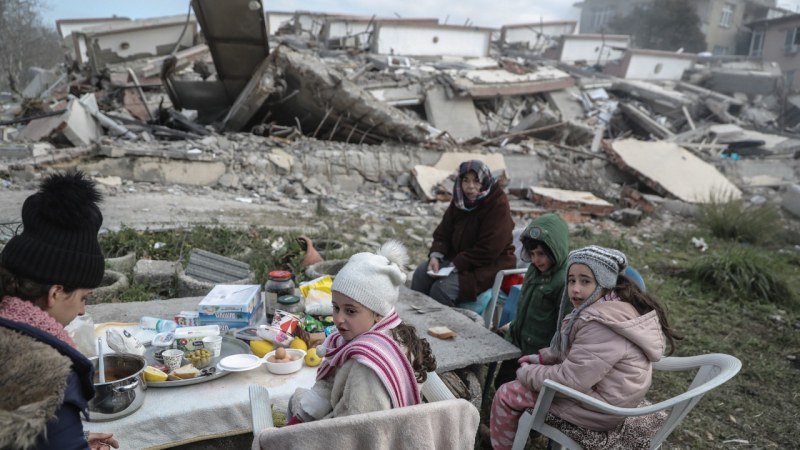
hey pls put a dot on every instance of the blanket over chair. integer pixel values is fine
(447, 424)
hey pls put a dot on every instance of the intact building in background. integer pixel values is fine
(721, 21)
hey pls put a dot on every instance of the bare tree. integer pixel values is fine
(25, 41)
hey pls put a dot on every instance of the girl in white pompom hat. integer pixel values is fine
(373, 361)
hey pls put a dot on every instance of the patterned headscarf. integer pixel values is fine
(485, 178)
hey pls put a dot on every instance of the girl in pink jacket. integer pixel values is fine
(604, 348)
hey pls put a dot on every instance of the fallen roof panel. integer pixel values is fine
(671, 170)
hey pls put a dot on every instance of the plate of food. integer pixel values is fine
(198, 366)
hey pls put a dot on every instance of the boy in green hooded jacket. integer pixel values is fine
(546, 244)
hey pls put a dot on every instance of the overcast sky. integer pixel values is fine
(492, 13)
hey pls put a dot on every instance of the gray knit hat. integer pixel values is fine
(374, 279)
(606, 264)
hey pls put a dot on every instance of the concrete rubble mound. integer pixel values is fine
(304, 105)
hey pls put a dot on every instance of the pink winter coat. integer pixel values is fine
(610, 359)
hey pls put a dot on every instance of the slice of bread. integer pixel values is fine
(187, 371)
(441, 332)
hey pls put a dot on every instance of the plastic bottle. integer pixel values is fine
(160, 325)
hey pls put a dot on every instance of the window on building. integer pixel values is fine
(719, 50)
(601, 16)
(791, 44)
(726, 19)
(757, 43)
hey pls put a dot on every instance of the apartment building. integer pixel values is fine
(721, 21)
(778, 40)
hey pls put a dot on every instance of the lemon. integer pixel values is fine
(298, 344)
(261, 348)
(154, 375)
(312, 360)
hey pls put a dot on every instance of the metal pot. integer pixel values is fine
(123, 392)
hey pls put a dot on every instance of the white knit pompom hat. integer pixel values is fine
(374, 279)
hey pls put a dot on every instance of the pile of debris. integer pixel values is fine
(306, 104)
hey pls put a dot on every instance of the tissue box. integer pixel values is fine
(231, 306)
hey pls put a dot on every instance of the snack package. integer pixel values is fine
(322, 283)
(319, 303)
(122, 341)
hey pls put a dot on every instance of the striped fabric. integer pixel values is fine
(377, 350)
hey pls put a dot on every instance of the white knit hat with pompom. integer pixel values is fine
(374, 279)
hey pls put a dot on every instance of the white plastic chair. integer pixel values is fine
(490, 312)
(714, 369)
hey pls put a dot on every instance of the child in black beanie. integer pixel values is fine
(46, 273)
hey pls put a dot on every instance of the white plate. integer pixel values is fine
(240, 363)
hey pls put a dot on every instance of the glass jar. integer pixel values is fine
(292, 304)
(279, 284)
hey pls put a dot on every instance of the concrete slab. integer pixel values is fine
(261, 85)
(763, 172)
(76, 125)
(567, 102)
(456, 115)
(670, 170)
(493, 82)
(560, 199)
(791, 199)
(210, 267)
(425, 180)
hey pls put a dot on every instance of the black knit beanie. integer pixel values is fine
(58, 244)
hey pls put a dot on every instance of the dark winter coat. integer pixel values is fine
(478, 242)
(536, 317)
(46, 384)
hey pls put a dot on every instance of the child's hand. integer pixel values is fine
(529, 359)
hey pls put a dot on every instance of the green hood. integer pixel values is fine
(553, 231)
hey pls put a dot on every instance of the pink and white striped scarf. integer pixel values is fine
(377, 350)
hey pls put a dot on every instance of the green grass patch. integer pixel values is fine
(733, 219)
(743, 273)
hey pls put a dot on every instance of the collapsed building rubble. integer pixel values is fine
(340, 101)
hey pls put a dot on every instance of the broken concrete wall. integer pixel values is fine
(77, 47)
(358, 30)
(751, 82)
(399, 38)
(277, 20)
(127, 41)
(532, 35)
(640, 64)
(589, 48)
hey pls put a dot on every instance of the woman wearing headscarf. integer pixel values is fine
(474, 237)
(46, 273)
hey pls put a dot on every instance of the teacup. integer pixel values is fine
(172, 358)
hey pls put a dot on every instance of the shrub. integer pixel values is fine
(741, 272)
(733, 219)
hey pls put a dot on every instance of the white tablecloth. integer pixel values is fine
(178, 415)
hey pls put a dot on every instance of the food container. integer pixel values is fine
(231, 306)
(283, 368)
(291, 304)
(280, 283)
(191, 338)
(123, 392)
(281, 331)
